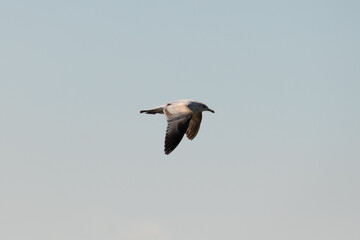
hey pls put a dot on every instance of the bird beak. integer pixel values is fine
(210, 110)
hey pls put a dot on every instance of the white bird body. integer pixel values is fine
(183, 116)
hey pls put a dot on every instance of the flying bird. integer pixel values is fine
(183, 116)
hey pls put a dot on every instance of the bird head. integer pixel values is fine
(200, 107)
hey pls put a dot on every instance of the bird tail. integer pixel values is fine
(154, 111)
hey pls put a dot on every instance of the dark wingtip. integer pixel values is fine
(169, 149)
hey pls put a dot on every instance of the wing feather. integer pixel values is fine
(178, 118)
(194, 126)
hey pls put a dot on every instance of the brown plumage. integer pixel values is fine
(194, 126)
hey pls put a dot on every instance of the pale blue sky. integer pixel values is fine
(279, 159)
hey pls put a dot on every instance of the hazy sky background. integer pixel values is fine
(280, 158)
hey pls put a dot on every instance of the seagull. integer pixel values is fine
(183, 116)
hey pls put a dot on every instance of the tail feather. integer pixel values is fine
(153, 111)
(147, 111)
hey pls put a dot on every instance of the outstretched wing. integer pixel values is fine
(194, 126)
(178, 118)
